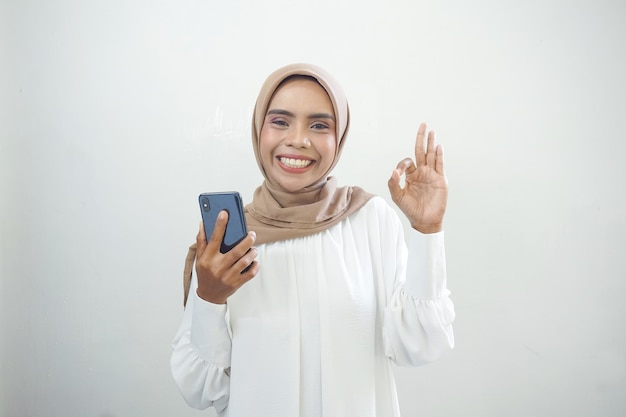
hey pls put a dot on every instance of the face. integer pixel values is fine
(298, 140)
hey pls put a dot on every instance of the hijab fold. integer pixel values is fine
(271, 222)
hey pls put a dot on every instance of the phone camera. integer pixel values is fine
(205, 204)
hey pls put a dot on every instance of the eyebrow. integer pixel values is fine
(311, 116)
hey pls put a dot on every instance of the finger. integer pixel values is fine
(430, 149)
(405, 166)
(201, 239)
(394, 186)
(245, 262)
(241, 249)
(249, 273)
(439, 160)
(219, 230)
(420, 157)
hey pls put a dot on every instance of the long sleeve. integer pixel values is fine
(201, 350)
(419, 315)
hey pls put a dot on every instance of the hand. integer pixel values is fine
(221, 274)
(425, 194)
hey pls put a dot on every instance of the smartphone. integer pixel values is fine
(210, 206)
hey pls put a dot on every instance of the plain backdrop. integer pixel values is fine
(116, 114)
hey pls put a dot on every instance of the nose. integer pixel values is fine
(298, 136)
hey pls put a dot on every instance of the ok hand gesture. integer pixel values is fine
(425, 194)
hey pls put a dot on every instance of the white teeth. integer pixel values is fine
(295, 163)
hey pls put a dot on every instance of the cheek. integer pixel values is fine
(265, 148)
(328, 149)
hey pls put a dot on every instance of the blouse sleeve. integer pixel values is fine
(419, 313)
(200, 360)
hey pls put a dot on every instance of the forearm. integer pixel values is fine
(418, 319)
(200, 360)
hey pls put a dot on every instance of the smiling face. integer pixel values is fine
(298, 142)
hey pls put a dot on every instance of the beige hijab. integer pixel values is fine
(275, 214)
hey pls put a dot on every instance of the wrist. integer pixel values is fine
(428, 228)
(210, 299)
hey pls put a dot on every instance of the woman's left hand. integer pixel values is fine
(425, 194)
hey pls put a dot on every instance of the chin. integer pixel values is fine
(294, 187)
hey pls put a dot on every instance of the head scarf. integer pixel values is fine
(276, 214)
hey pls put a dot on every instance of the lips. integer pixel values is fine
(294, 163)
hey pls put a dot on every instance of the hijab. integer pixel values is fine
(276, 214)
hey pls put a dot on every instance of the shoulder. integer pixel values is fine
(377, 204)
(377, 210)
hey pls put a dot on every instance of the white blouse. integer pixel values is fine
(315, 333)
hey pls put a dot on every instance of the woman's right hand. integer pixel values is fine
(221, 274)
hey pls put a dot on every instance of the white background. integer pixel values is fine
(115, 115)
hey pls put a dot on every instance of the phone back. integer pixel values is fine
(210, 206)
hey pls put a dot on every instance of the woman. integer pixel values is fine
(330, 296)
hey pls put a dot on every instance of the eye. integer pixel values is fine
(319, 126)
(279, 123)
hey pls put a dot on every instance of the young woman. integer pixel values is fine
(332, 296)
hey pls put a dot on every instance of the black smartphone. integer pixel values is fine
(210, 206)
